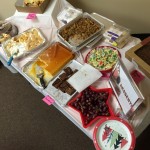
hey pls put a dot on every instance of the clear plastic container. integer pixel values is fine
(68, 14)
(117, 35)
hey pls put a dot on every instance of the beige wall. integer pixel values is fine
(7, 8)
(133, 14)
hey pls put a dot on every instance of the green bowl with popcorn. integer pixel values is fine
(103, 58)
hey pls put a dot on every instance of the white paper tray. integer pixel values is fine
(60, 97)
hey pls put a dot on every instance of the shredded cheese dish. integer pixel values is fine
(102, 58)
(26, 41)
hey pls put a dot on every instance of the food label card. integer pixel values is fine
(48, 100)
(125, 89)
(31, 16)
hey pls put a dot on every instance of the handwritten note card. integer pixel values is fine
(31, 16)
(48, 100)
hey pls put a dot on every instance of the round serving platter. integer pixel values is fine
(113, 133)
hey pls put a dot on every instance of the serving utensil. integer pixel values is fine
(40, 75)
(12, 57)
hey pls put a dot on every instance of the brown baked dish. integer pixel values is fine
(79, 31)
(144, 53)
(33, 3)
(140, 54)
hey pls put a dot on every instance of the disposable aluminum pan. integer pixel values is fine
(87, 40)
(31, 79)
(31, 74)
(25, 69)
(22, 42)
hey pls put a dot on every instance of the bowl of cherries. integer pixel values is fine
(92, 104)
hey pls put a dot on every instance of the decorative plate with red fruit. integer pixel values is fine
(92, 104)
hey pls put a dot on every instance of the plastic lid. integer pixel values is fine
(84, 77)
(113, 133)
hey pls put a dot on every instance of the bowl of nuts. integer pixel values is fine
(92, 104)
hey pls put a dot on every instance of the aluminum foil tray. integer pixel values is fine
(48, 62)
(75, 39)
(24, 43)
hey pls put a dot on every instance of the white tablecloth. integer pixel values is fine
(48, 24)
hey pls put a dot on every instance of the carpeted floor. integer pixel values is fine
(27, 123)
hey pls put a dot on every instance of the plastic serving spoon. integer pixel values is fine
(12, 57)
(40, 75)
